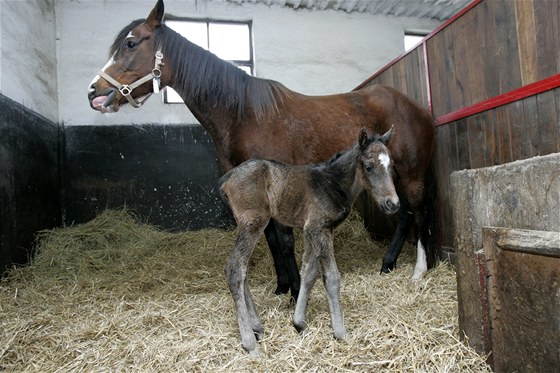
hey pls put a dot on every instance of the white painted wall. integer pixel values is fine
(313, 52)
(28, 71)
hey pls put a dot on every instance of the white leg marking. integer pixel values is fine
(421, 264)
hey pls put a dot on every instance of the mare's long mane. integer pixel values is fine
(201, 77)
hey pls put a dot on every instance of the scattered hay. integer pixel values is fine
(118, 295)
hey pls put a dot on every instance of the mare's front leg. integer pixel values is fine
(280, 241)
(250, 326)
(405, 220)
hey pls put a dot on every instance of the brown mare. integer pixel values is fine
(249, 117)
(316, 198)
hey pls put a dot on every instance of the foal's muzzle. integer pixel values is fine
(390, 206)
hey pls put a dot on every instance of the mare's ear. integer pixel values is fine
(156, 15)
(386, 136)
(363, 138)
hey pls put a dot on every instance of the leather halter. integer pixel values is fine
(126, 89)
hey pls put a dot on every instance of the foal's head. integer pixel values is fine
(133, 70)
(376, 168)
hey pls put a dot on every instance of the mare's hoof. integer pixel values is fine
(294, 297)
(387, 267)
(282, 289)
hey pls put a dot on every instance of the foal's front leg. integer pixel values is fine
(309, 273)
(250, 326)
(319, 248)
(331, 280)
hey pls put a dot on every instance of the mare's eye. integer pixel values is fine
(369, 168)
(130, 44)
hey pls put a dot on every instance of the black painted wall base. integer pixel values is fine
(166, 173)
(29, 180)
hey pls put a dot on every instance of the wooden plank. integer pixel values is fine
(490, 138)
(504, 135)
(546, 25)
(531, 121)
(462, 159)
(547, 123)
(445, 140)
(476, 66)
(436, 65)
(507, 50)
(526, 35)
(459, 92)
(519, 140)
(476, 141)
(490, 64)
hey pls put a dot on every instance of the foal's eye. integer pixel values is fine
(369, 168)
(130, 44)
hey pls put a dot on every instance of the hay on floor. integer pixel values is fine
(115, 294)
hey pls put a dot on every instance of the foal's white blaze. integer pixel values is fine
(421, 264)
(384, 160)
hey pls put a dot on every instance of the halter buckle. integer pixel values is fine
(125, 90)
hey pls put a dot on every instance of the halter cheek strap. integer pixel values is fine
(126, 89)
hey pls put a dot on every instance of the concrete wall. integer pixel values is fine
(28, 59)
(29, 130)
(314, 52)
(522, 195)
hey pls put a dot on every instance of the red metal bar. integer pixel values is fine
(423, 41)
(503, 99)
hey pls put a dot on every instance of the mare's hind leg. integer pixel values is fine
(250, 326)
(280, 241)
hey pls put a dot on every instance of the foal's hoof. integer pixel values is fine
(300, 326)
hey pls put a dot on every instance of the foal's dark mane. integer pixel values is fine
(201, 77)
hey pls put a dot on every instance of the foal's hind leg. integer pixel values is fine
(250, 326)
(280, 241)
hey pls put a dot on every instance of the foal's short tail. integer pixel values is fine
(433, 251)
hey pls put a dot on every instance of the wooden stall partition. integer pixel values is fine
(490, 76)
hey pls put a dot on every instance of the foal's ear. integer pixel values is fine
(156, 15)
(386, 136)
(363, 138)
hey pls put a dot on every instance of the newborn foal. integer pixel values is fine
(316, 198)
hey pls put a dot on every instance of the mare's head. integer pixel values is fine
(376, 168)
(134, 70)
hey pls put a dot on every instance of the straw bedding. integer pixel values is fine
(116, 294)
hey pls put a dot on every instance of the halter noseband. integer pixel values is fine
(126, 89)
